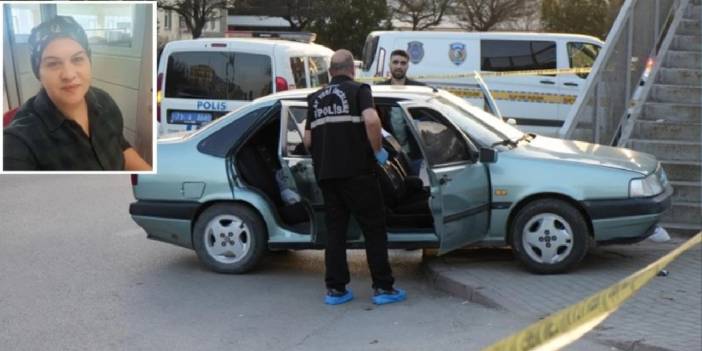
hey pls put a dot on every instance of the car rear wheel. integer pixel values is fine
(549, 236)
(229, 238)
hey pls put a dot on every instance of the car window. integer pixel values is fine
(582, 55)
(295, 131)
(297, 64)
(442, 143)
(221, 141)
(517, 55)
(218, 75)
(319, 69)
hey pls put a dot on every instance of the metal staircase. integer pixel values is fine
(645, 93)
(670, 123)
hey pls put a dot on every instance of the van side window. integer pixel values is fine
(297, 64)
(319, 71)
(218, 75)
(442, 143)
(517, 55)
(582, 55)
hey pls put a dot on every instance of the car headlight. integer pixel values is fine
(645, 187)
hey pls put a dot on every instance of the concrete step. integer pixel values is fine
(669, 149)
(679, 76)
(687, 191)
(676, 93)
(686, 43)
(689, 213)
(689, 27)
(644, 129)
(693, 12)
(683, 59)
(688, 112)
(682, 171)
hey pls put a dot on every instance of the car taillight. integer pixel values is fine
(159, 96)
(135, 179)
(281, 84)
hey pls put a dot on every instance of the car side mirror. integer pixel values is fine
(487, 155)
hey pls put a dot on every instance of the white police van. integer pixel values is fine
(200, 80)
(538, 102)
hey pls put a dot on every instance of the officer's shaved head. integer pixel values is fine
(342, 63)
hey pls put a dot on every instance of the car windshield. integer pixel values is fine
(478, 124)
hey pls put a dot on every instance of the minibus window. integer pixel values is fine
(517, 55)
(582, 55)
(218, 75)
(319, 71)
(297, 64)
(369, 49)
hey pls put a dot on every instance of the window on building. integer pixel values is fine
(167, 20)
(105, 24)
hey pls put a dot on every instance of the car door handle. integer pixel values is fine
(444, 179)
(570, 84)
(550, 82)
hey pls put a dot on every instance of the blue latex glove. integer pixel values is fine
(381, 156)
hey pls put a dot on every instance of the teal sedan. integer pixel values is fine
(456, 176)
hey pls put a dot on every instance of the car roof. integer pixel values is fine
(406, 92)
(486, 35)
(245, 42)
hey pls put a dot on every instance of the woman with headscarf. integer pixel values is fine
(68, 125)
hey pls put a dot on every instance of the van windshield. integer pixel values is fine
(218, 75)
(369, 49)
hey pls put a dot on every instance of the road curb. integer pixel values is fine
(440, 278)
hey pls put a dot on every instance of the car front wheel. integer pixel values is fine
(549, 236)
(229, 238)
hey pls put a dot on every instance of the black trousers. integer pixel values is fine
(361, 197)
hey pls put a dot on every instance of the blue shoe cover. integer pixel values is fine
(390, 298)
(338, 300)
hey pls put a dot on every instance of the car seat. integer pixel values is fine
(259, 173)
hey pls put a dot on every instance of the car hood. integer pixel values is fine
(577, 151)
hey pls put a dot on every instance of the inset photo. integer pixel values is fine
(78, 87)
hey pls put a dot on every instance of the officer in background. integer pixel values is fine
(343, 133)
(399, 64)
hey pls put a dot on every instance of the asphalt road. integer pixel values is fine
(76, 273)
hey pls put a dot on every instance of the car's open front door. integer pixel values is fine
(460, 188)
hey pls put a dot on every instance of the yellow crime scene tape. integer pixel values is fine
(466, 92)
(567, 325)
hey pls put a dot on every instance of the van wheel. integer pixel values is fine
(229, 238)
(549, 236)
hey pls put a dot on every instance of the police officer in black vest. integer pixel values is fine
(343, 133)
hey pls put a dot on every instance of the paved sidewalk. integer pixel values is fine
(664, 315)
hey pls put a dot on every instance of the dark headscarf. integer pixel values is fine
(46, 32)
